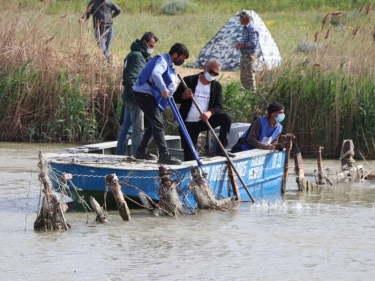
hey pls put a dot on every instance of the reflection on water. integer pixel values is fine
(325, 234)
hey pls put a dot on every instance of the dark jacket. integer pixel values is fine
(215, 102)
(133, 65)
(101, 11)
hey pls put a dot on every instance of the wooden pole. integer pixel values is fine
(51, 215)
(100, 215)
(288, 146)
(112, 181)
(232, 178)
(204, 195)
(347, 154)
(321, 180)
(300, 174)
(303, 184)
(169, 198)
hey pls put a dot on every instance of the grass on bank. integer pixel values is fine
(55, 85)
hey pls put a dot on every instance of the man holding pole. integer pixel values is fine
(151, 91)
(208, 95)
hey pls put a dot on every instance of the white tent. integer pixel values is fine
(222, 48)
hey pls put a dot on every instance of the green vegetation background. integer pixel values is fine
(56, 86)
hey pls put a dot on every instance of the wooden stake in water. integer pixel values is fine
(100, 214)
(51, 215)
(321, 178)
(112, 181)
(288, 146)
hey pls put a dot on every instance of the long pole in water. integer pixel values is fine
(218, 141)
(183, 129)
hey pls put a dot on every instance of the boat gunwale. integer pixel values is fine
(119, 162)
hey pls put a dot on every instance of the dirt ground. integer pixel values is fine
(224, 77)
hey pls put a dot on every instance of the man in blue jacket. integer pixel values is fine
(102, 12)
(157, 81)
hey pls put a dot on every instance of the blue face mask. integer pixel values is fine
(280, 117)
(208, 77)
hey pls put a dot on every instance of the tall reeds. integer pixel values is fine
(53, 86)
(330, 98)
(56, 86)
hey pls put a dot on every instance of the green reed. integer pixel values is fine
(328, 91)
(326, 108)
(56, 86)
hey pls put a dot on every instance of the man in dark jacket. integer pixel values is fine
(208, 94)
(134, 62)
(102, 12)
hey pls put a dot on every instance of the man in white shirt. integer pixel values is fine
(208, 94)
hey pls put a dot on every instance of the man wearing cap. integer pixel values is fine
(264, 132)
(248, 46)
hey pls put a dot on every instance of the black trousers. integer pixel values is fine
(223, 119)
(155, 128)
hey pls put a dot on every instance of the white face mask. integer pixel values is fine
(208, 77)
(150, 50)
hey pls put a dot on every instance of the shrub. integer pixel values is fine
(308, 47)
(174, 7)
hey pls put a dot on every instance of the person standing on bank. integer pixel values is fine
(157, 81)
(102, 12)
(134, 62)
(248, 46)
(208, 94)
(264, 132)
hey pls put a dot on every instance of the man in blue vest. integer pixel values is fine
(157, 81)
(264, 132)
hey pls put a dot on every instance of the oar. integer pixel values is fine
(218, 141)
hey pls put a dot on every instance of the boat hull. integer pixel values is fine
(261, 170)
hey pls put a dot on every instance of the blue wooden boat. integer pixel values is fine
(261, 170)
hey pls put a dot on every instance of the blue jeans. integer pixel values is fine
(103, 37)
(155, 128)
(133, 120)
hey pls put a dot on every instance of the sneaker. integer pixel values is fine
(221, 153)
(169, 159)
(146, 155)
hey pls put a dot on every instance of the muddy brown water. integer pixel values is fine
(327, 234)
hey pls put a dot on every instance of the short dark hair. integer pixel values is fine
(148, 36)
(180, 49)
